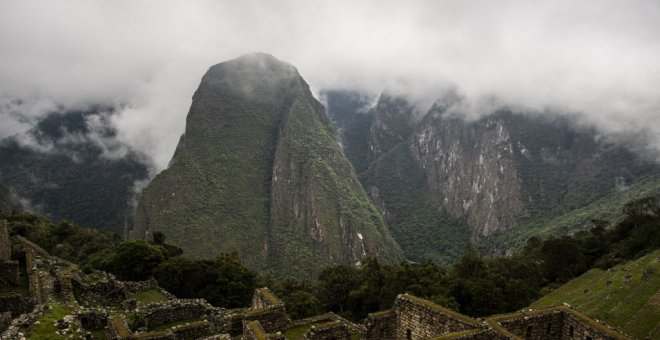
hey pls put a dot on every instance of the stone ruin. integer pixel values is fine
(101, 303)
(415, 318)
(9, 273)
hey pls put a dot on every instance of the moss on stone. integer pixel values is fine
(438, 308)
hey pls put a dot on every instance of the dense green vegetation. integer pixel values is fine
(626, 296)
(607, 208)
(223, 281)
(72, 176)
(423, 231)
(474, 284)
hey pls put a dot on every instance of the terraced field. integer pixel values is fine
(626, 296)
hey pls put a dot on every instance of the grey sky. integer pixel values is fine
(600, 58)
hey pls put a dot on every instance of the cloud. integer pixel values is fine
(596, 58)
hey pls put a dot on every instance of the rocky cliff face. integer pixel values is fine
(393, 121)
(258, 171)
(471, 170)
(485, 177)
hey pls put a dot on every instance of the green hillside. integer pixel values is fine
(73, 178)
(626, 296)
(608, 208)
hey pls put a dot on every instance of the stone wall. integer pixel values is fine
(117, 328)
(536, 326)
(23, 321)
(477, 334)
(5, 243)
(556, 322)
(33, 278)
(27, 244)
(230, 322)
(5, 321)
(380, 325)
(135, 287)
(252, 330)
(272, 319)
(8, 268)
(164, 335)
(157, 314)
(576, 327)
(16, 304)
(106, 289)
(421, 319)
(334, 330)
(92, 319)
(193, 330)
(263, 298)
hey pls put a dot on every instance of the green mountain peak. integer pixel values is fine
(258, 171)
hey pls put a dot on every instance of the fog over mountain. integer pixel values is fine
(595, 59)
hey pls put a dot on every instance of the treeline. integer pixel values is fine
(474, 284)
(223, 281)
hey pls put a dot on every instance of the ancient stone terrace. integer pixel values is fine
(98, 305)
(415, 318)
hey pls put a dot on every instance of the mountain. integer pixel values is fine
(443, 181)
(626, 296)
(59, 168)
(258, 171)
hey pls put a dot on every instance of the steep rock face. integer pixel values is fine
(393, 121)
(471, 170)
(493, 181)
(259, 171)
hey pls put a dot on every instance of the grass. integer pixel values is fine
(46, 327)
(257, 331)
(99, 334)
(149, 296)
(627, 302)
(297, 333)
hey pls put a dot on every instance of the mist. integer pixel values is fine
(597, 59)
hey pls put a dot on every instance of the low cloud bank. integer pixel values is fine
(598, 59)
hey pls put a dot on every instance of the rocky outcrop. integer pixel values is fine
(444, 180)
(471, 170)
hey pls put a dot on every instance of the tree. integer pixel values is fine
(135, 260)
(336, 284)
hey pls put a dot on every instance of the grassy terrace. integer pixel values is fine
(46, 327)
(149, 296)
(620, 296)
(256, 329)
(272, 299)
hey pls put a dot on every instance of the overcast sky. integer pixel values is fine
(599, 58)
